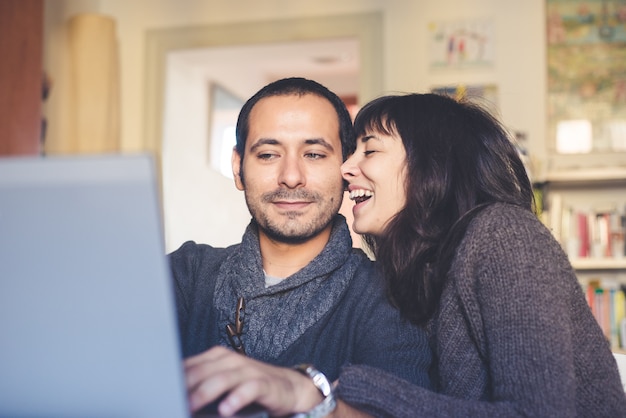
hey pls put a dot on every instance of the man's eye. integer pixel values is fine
(314, 155)
(266, 156)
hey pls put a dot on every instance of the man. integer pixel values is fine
(294, 290)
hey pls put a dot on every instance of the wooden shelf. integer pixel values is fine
(587, 175)
(583, 264)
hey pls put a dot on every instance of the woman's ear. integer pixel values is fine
(236, 165)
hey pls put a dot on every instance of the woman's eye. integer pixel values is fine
(369, 151)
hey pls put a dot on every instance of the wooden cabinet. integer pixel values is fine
(21, 76)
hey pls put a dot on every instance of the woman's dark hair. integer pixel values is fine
(297, 86)
(459, 158)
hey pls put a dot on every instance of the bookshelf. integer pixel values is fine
(607, 175)
(586, 211)
(585, 208)
(598, 264)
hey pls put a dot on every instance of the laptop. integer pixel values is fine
(87, 312)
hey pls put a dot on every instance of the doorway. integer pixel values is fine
(199, 203)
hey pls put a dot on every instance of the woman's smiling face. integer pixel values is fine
(376, 175)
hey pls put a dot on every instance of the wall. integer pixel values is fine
(191, 189)
(178, 116)
(518, 71)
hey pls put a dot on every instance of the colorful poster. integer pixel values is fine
(461, 44)
(586, 75)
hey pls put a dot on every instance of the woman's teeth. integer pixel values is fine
(360, 195)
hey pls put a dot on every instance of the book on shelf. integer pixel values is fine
(592, 232)
(588, 232)
(607, 301)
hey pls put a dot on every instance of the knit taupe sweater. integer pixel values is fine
(513, 335)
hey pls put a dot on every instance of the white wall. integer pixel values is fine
(520, 65)
(200, 204)
(518, 71)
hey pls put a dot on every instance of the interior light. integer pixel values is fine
(574, 136)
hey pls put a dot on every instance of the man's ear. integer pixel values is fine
(236, 164)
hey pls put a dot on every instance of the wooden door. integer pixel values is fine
(21, 76)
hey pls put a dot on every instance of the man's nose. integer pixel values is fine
(292, 173)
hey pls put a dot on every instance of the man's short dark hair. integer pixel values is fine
(297, 86)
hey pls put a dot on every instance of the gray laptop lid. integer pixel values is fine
(87, 318)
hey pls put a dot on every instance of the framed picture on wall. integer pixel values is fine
(462, 44)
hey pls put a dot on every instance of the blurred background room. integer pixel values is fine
(168, 77)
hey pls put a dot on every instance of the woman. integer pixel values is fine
(447, 208)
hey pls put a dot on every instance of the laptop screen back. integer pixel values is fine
(87, 317)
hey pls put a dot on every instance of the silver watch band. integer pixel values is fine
(320, 381)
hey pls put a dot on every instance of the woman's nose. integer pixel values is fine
(349, 168)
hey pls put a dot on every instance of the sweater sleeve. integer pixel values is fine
(384, 395)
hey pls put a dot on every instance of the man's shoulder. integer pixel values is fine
(362, 259)
(366, 275)
(192, 247)
(192, 253)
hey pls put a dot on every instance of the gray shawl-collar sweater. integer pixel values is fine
(330, 313)
(513, 335)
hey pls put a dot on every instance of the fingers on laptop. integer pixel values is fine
(245, 381)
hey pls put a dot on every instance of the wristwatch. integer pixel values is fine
(322, 384)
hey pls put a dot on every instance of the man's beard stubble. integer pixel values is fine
(295, 233)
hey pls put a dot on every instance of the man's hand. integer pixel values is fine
(219, 371)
